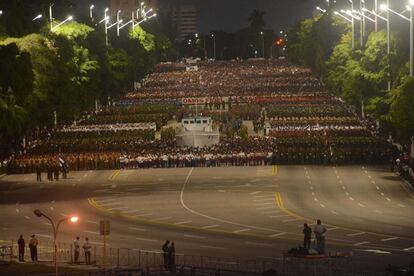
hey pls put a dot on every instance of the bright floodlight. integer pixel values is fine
(74, 219)
(411, 2)
(261, 33)
(92, 6)
(336, 13)
(107, 9)
(70, 18)
(383, 7)
(212, 35)
(1, 12)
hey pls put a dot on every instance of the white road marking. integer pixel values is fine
(27, 217)
(210, 226)
(369, 176)
(137, 229)
(265, 208)
(378, 188)
(258, 244)
(263, 203)
(194, 236)
(351, 198)
(92, 232)
(401, 205)
(382, 194)
(315, 199)
(262, 196)
(147, 240)
(264, 199)
(389, 239)
(144, 215)
(311, 187)
(343, 188)
(51, 208)
(163, 218)
(17, 210)
(47, 223)
(242, 230)
(333, 228)
(256, 192)
(277, 235)
(323, 206)
(221, 191)
(377, 251)
(347, 193)
(388, 199)
(356, 234)
(313, 193)
(334, 212)
(132, 211)
(290, 220)
(183, 222)
(64, 215)
(44, 236)
(361, 205)
(110, 204)
(360, 243)
(271, 212)
(279, 216)
(408, 249)
(92, 222)
(212, 247)
(118, 208)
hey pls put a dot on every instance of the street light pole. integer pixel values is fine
(411, 39)
(118, 22)
(55, 227)
(91, 12)
(51, 16)
(214, 44)
(106, 26)
(388, 46)
(376, 17)
(353, 26)
(263, 49)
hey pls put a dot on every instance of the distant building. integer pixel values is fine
(128, 6)
(184, 18)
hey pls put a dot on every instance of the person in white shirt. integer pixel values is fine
(320, 232)
(76, 247)
(87, 249)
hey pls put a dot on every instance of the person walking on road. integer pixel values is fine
(320, 231)
(22, 245)
(165, 253)
(33, 248)
(38, 173)
(171, 257)
(87, 248)
(76, 248)
(307, 232)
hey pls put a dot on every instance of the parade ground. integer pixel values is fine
(241, 212)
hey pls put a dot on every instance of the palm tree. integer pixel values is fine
(256, 19)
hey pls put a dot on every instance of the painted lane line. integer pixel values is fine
(256, 192)
(106, 200)
(401, 205)
(279, 216)
(313, 193)
(356, 234)
(382, 194)
(388, 199)
(277, 235)
(360, 243)
(163, 218)
(210, 226)
(264, 199)
(64, 215)
(378, 188)
(118, 208)
(44, 236)
(262, 196)
(333, 228)
(137, 229)
(242, 230)
(27, 217)
(315, 199)
(17, 210)
(351, 198)
(408, 249)
(92, 222)
(263, 203)
(92, 232)
(212, 247)
(311, 187)
(334, 212)
(271, 212)
(183, 222)
(194, 236)
(221, 191)
(147, 240)
(258, 244)
(361, 205)
(323, 206)
(265, 208)
(290, 220)
(132, 211)
(144, 215)
(347, 193)
(343, 188)
(111, 204)
(389, 239)
(47, 223)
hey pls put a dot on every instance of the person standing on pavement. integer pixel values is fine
(33, 248)
(165, 253)
(307, 232)
(38, 173)
(320, 231)
(171, 257)
(22, 245)
(76, 247)
(87, 248)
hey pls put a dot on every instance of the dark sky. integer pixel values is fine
(231, 15)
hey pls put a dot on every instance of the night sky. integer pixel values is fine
(231, 15)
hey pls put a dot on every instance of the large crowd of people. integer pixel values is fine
(304, 123)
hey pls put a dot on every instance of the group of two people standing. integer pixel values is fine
(32, 245)
(168, 252)
(319, 232)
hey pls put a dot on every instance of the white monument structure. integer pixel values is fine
(197, 132)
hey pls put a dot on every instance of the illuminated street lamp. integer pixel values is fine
(214, 44)
(72, 219)
(1, 12)
(91, 11)
(63, 22)
(263, 49)
(384, 7)
(39, 16)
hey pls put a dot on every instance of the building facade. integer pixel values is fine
(185, 20)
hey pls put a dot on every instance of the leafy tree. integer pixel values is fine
(402, 109)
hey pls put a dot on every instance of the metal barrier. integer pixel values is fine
(153, 262)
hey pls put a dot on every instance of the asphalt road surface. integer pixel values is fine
(241, 212)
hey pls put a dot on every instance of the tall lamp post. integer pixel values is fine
(91, 12)
(214, 45)
(384, 7)
(55, 227)
(263, 49)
